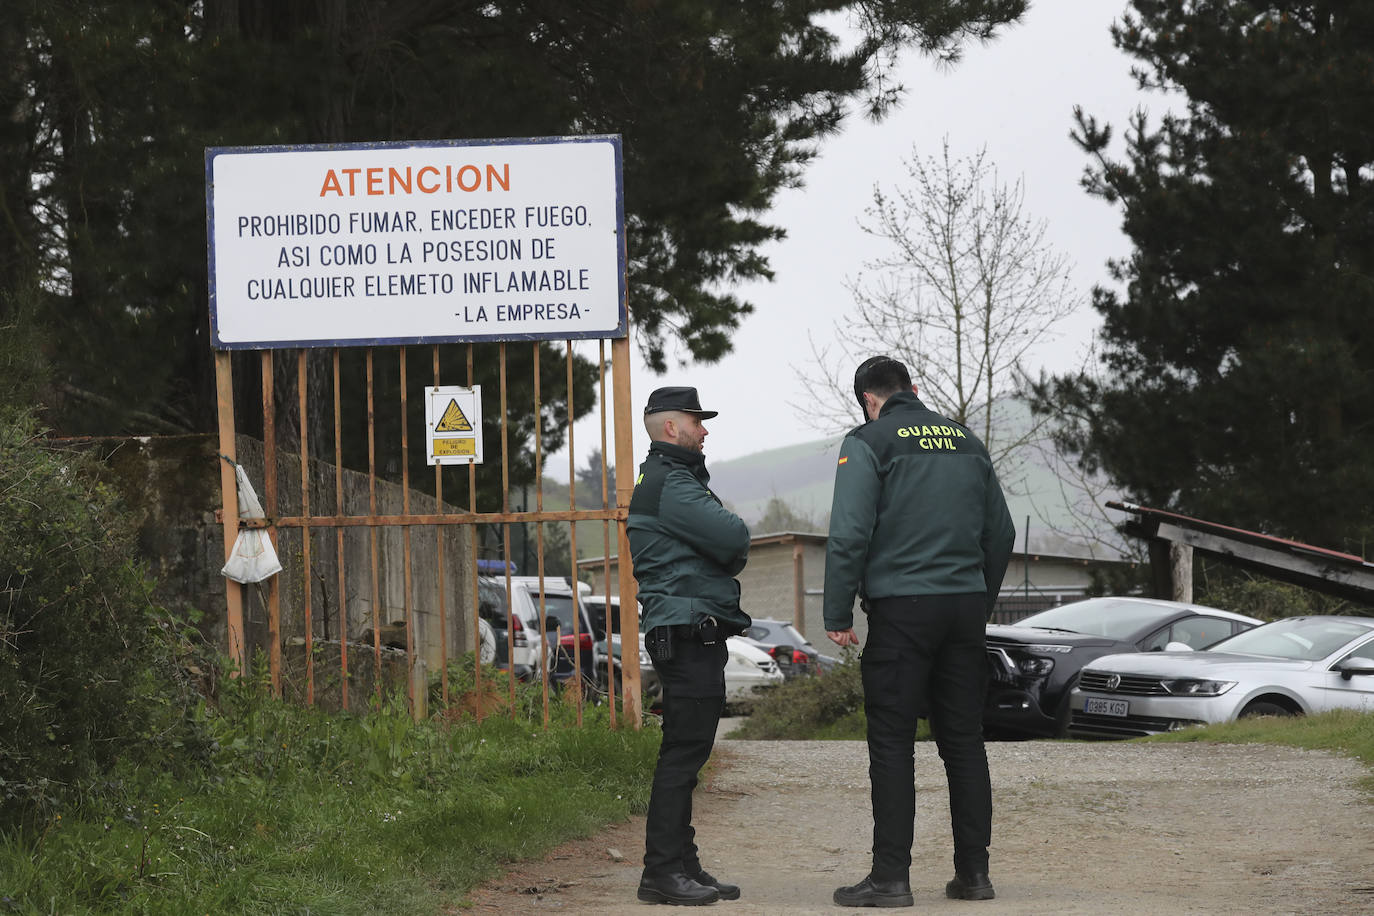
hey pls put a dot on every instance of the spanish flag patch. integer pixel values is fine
(844, 459)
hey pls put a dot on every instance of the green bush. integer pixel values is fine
(88, 669)
(829, 705)
(1224, 586)
(306, 811)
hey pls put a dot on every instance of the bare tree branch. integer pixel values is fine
(965, 287)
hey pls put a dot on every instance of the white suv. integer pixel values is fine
(526, 645)
(560, 605)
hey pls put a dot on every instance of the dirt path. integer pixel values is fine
(1079, 828)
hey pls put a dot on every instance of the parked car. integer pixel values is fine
(1293, 666)
(1034, 663)
(607, 647)
(746, 668)
(793, 652)
(519, 620)
(561, 604)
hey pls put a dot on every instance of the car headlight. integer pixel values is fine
(1197, 687)
(644, 660)
(1035, 667)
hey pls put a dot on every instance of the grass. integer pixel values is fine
(308, 813)
(1341, 731)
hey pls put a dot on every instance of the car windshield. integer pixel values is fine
(1109, 617)
(561, 607)
(1304, 638)
(790, 634)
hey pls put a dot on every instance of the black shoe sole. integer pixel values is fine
(956, 891)
(886, 900)
(733, 895)
(647, 895)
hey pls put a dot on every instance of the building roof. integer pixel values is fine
(1318, 568)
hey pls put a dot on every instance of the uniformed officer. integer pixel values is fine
(687, 549)
(920, 529)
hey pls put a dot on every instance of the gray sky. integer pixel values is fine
(1016, 97)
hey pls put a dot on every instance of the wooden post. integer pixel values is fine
(229, 489)
(1181, 571)
(1171, 570)
(624, 487)
(798, 587)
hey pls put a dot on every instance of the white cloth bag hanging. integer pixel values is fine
(254, 558)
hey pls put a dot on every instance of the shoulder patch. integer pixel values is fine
(843, 459)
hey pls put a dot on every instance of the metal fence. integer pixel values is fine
(327, 521)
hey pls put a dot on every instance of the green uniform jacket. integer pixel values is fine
(687, 547)
(917, 511)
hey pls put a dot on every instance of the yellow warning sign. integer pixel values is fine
(453, 421)
(448, 448)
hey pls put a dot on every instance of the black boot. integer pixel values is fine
(972, 886)
(869, 892)
(727, 891)
(676, 889)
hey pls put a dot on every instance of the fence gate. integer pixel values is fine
(353, 288)
(371, 565)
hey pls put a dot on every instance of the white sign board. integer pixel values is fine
(362, 244)
(453, 424)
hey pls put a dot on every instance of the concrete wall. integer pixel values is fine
(437, 554)
(768, 585)
(174, 482)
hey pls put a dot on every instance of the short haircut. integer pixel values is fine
(881, 376)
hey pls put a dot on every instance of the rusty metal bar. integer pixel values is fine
(539, 528)
(339, 537)
(505, 536)
(476, 586)
(372, 510)
(269, 476)
(229, 487)
(572, 545)
(439, 560)
(448, 518)
(624, 487)
(606, 535)
(405, 541)
(305, 529)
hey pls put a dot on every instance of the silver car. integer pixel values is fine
(1293, 666)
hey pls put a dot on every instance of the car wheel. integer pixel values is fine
(1064, 711)
(486, 649)
(1264, 708)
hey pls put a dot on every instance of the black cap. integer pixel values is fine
(681, 398)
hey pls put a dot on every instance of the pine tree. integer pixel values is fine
(109, 106)
(1237, 378)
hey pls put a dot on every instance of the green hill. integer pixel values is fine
(1063, 519)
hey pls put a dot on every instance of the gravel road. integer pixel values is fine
(1078, 828)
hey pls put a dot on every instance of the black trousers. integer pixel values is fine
(926, 655)
(693, 697)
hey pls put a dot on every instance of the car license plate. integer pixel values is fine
(1102, 707)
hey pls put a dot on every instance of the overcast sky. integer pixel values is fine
(1016, 97)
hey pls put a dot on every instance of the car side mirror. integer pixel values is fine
(1177, 646)
(1355, 665)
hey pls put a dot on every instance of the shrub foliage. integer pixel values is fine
(829, 705)
(87, 667)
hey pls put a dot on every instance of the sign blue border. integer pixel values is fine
(622, 325)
